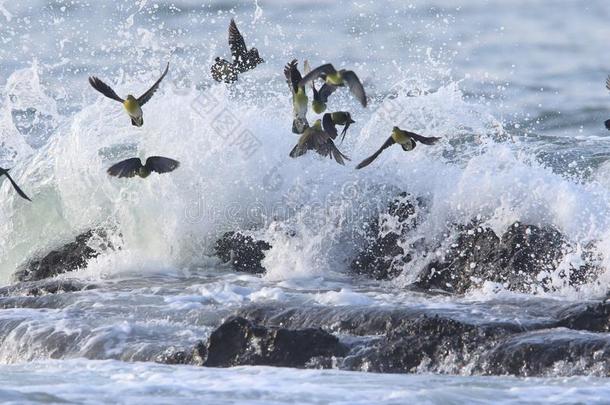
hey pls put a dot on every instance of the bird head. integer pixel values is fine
(349, 119)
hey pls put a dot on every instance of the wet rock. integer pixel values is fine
(69, 257)
(44, 287)
(241, 342)
(383, 257)
(242, 251)
(594, 318)
(181, 355)
(551, 352)
(521, 260)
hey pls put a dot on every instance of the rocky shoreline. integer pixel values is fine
(525, 258)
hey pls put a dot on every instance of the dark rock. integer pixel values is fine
(520, 260)
(550, 352)
(69, 257)
(594, 318)
(382, 257)
(44, 287)
(240, 342)
(242, 251)
(177, 355)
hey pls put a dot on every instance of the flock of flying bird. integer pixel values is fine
(318, 137)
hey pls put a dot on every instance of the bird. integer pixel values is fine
(299, 97)
(242, 58)
(331, 120)
(407, 140)
(315, 138)
(607, 122)
(4, 172)
(132, 104)
(133, 167)
(320, 97)
(337, 78)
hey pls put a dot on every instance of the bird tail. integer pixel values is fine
(336, 153)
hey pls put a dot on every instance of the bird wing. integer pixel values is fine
(143, 99)
(355, 86)
(314, 74)
(607, 124)
(608, 83)
(293, 76)
(103, 88)
(325, 91)
(329, 125)
(389, 142)
(16, 187)
(236, 43)
(426, 140)
(126, 168)
(223, 71)
(161, 164)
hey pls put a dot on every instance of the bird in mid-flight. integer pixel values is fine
(299, 97)
(134, 167)
(315, 138)
(331, 120)
(337, 78)
(4, 172)
(132, 104)
(242, 59)
(405, 139)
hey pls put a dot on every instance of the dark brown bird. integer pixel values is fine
(134, 167)
(316, 139)
(242, 58)
(405, 139)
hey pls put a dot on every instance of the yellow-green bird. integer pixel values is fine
(336, 78)
(134, 167)
(315, 138)
(299, 97)
(405, 139)
(331, 120)
(132, 104)
(320, 97)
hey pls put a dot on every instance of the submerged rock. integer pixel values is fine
(69, 257)
(242, 251)
(241, 342)
(44, 287)
(383, 257)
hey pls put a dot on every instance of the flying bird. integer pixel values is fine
(320, 97)
(134, 167)
(299, 97)
(331, 120)
(242, 59)
(407, 140)
(337, 78)
(4, 172)
(132, 104)
(315, 138)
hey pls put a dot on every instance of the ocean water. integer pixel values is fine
(514, 88)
